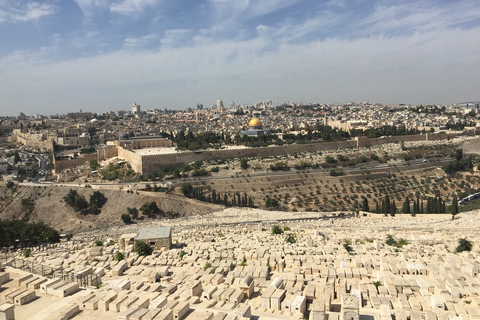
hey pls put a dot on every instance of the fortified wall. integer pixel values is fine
(101, 154)
(41, 144)
(153, 163)
(368, 142)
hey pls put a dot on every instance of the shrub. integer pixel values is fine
(277, 229)
(26, 252)
(126, 218)
(464, 245)
(118, 256)
(290, 238)
(271, 203)
(207, 265)
(187, 189)
(181, 254)
(243, 163)
(149, 208)
(133, 212)
(10, 184)
(143, 249)
(69, 236)
(98, 243)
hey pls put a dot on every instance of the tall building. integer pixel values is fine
(135, 108)
(219, 105)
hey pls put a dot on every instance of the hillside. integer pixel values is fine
(50, 208)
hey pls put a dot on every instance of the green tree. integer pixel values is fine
(271, 203)
(276, 230)
(126, 218)
(454, 209)
(464, 245)
(97, 199)
(94, 165)
(244, 163)
(187, 189)
(365, 205)
(142, 248)
(80, 204)
(149, 208)
(406, 206)
(133, 212)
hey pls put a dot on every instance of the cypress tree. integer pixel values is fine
(406, 206)
(365, 205)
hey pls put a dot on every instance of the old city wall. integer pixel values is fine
(101, 154)
(153, 163)
(41, 144)
(62, 165)
(368, 142)
(134, 159)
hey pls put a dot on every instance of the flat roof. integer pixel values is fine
(152, 151)
(153, 233)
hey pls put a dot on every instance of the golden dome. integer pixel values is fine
(255, 123)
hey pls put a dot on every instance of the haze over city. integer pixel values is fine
(58, 57)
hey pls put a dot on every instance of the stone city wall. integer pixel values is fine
(134, 159)
(62, 165)
(101, 154)
(153, 163)
(35, 143)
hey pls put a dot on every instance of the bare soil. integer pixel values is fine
(50, 208)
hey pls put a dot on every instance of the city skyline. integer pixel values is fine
(61, 57)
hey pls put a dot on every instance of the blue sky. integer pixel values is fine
(59, 56)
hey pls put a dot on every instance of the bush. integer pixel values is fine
(335, 173)
(277, 229)
(126, 218)
(207, 265)
(118, 256)
(26, 252)
(271, 203)
(394, 243)
(243, 163)
(98, 243)
(187, 189)
(133, 212)
(10, 184)
(290, 238)
(143, 249)
(69, 236)
(215, 169)
(464, 245)
(149, 208)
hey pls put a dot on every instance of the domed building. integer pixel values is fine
(255, 128)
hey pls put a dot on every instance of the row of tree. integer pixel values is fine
(217, 198)
(434, 205)
(21, 233)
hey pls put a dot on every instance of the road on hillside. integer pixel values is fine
(357, 169)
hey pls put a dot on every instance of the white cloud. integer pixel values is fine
(132, 6)
(419, 68)
(17, 12)
(139, 42)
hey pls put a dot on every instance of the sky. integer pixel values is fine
(59, 56)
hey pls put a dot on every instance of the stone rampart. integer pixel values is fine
(153, 163)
